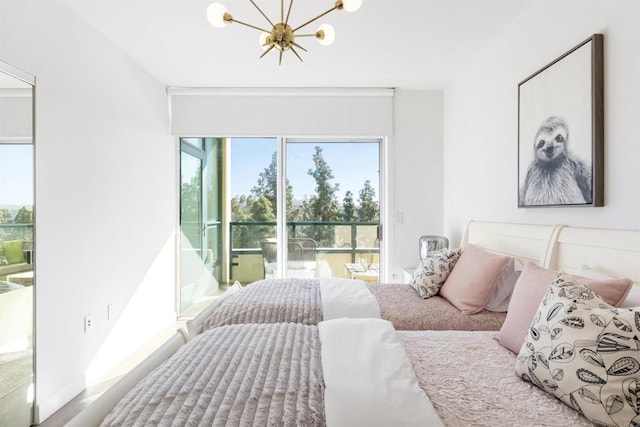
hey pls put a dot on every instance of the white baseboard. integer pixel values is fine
(43, 409)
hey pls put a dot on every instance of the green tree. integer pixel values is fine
(5, 216)
(368, 209)
(262, 210)
(241, 208)
(348, 207)
(24, 216)
(190, 209)
(267, 186)
(247, 208)
(322, 206)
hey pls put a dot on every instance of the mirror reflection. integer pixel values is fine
(16, 247)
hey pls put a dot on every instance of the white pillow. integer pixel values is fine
(499, 300)
(588, 272)
(632, 299)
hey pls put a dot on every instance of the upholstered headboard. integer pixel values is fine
(525, 241)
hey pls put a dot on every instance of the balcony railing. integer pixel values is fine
(16, 232)
(337, 243)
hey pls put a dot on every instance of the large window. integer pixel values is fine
(286, 208)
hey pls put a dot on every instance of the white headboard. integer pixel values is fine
(524, 241)
(562, 248)
(613, 252)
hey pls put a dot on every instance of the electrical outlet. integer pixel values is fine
(110, 312)
(89, 322)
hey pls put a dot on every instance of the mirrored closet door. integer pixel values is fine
(16, 246)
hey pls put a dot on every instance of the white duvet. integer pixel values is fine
(347, 298)
(369, 380)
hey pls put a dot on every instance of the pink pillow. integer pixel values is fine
(529, 291)
(473, 279)
(613, 291)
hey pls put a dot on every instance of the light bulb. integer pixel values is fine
(215, 15)
(351, 5)
(325, 34)
(264, 44)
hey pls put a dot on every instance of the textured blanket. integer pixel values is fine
(271, 301)
(240, 375)
(401, 305)
(471, 381)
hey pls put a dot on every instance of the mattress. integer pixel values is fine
(301, 301)
(470, 379)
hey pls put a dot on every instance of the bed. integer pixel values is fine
(463, 377)
(309, 301)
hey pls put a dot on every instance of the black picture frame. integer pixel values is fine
(561, 130)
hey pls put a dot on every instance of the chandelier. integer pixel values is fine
(281, 36)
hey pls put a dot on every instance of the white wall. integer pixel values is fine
(105, 197)
(480, 148)
(417, 174)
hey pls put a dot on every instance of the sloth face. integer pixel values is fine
(551, 140)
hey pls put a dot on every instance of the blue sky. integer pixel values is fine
(351, 165)
(16, 174)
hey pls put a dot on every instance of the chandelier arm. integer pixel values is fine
(280, 59)
(306, 35)
(288, 12)
(267, 51)
(294, 51)
(262, 13)
(316, 18)
(251, 26)
(298, 46)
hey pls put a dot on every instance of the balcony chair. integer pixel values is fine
(301, 257)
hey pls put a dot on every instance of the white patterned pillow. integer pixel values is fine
(586, 353)
(430, 276)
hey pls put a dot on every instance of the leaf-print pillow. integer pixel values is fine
(586, 353)
(434, 270)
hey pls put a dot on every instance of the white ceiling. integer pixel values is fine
(387, 43)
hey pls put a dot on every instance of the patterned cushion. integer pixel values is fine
(429, 277)
(13, 250)
(586, 353)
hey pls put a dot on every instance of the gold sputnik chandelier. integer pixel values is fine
(282, 36)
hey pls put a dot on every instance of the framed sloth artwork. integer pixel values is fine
(561, 130)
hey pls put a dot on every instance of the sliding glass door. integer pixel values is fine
(201, 230)
(334, 207)
(282, 208)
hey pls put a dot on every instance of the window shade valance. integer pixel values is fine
(281, 111)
